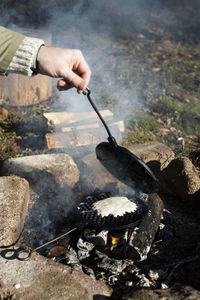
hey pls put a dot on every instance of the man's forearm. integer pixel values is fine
(24, 60)
(18, 53)
(9, 43)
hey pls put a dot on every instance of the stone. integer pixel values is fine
(153, 151)
(174, 293)
(14, 199)
(180, 179)
(143, 235)
(44, 170)
(42, 278)
(51, 178)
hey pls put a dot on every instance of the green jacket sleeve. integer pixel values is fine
(9, 43)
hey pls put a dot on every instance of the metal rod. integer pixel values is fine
(111, 139)
(54, 240)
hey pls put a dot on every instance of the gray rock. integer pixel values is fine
(14, 199)
(44, 170)
(181, 179)
(51, 178)
(143, 235)
(176, 293)
(153, 151)
(41, 278)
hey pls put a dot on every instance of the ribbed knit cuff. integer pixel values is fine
(24, 60)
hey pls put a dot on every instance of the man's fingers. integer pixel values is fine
(86, 77)
(75, 80)
(78, 76)
(84, 71)
(63, 85)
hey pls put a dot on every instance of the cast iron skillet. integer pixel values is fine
(121, 163)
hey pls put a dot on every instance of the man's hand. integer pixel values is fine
(68, 64)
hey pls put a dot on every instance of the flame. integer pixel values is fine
(114, 240)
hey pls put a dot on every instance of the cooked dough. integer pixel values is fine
(116, 206)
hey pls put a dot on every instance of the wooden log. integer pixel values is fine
(85, 127)
(118, 124)
(20, 90)
(64, 140)
(81, 127)
(60, 119)
(84, 135)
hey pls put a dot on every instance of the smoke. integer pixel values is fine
(106, 32)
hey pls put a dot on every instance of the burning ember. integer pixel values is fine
(114, 240)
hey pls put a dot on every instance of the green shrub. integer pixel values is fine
(136, 137)
(144, 122)
(168, 105)
(189, 122)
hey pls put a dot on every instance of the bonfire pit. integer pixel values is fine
(109, 228)
(105, 222)
(108, 224)
(108, 247)
(133, 247)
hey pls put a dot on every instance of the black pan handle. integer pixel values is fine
(111, 138)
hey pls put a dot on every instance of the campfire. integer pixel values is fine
(106, 227)
(105, 239)
(106, 223)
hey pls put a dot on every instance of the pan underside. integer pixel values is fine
(127, 167)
